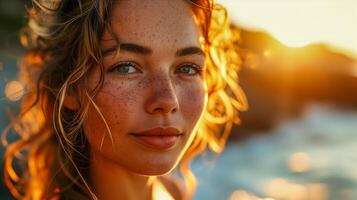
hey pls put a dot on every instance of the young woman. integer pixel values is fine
(120, 93)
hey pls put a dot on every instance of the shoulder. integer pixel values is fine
(174, 187)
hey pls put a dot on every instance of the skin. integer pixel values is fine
(156, 89)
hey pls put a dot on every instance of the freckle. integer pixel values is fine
(145, 83)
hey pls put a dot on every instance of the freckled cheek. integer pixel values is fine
(192, 102)
(116, 103)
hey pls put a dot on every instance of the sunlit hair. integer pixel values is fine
(49, 159)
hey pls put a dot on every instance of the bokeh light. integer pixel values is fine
(299, 162)
(267, 53)
(277, 188)
(280, 188)
(14, 90)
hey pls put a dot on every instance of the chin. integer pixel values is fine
(155, 169)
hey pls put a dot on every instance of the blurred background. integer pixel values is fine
(298, 141)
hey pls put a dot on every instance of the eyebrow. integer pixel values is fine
(139, 49)
(189, 51)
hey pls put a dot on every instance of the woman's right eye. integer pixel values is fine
(124, 68)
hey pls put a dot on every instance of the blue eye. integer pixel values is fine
(124, 68)
(190, 69)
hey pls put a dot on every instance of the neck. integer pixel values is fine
(112, 181)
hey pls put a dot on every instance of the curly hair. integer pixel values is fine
(49, 160)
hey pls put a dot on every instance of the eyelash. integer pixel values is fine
(197, 68)
(117, 66)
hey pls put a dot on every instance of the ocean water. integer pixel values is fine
(310, 158)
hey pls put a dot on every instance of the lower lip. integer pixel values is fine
(157, 142)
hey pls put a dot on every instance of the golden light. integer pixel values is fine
(299, 162)
(267, 53)
(353, 71)
(31, 122)
(160, 193)
(252, 60)
(14, 90)
(298, 23)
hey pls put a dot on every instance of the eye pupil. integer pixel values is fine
(186, 69)
(123, 69)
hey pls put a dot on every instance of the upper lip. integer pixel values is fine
(159, 131)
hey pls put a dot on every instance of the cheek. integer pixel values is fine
(116, 103)
(116, 100)
(192, 103)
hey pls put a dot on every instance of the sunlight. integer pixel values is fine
(297, 23)
(160, 193)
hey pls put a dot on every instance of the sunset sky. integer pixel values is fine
(300, 22)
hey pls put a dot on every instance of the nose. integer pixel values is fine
(163, 97)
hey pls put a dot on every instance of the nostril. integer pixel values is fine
(174, 110)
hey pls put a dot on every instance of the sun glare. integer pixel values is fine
(297, 23)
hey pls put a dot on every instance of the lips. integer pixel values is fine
(159, 138)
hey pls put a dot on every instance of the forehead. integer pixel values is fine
(154, 23)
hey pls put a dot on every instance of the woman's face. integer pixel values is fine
(155, 81)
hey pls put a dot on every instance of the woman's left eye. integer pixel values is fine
(190, 69)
